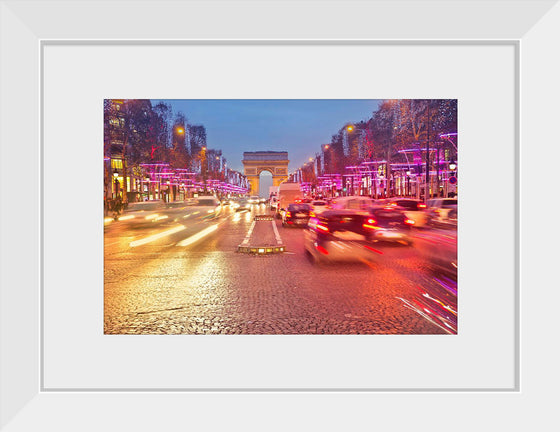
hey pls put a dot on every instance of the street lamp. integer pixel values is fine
(203, 166)
(408, 183)
(452, 166)
(116, 180)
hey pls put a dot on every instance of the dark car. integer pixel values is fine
(415, 210)
(340, 235)
(296, 215)
(390, 224)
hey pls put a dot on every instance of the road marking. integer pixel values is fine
(190, 240)
(276, 233)
(157, 236)
(248, 236)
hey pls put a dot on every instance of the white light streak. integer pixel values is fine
(127, 217)
(198, 236)
(156, 236)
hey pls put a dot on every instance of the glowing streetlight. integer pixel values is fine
(116, 181)
(350, 128)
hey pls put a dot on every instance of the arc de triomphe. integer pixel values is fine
(254, 163)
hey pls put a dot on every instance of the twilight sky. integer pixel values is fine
(296, 126)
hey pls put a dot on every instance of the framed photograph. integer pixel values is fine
(95, 324)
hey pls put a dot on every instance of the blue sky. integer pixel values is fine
(298, 126)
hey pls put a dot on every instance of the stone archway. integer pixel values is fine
(254, 163)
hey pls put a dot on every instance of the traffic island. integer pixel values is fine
(262, 238)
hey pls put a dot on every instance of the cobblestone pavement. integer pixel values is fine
(209, 288)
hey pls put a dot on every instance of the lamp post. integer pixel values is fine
(453, 177)
(408, 183)
(147, 180)
(117, 184)
(203, 166)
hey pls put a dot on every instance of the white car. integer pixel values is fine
(442, 210)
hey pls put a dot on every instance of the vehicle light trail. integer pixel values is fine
(156, 236)
(198, 236)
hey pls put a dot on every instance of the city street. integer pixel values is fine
(178, 271)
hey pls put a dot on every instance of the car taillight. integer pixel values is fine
(409, 222)
(370, 224)
(421, 205)
(312, 214)
(288, 214)
(322, 228)
(322, 250)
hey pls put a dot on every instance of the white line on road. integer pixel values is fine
(156, 236)
(248, 236)
(198, 236)
(276, 233)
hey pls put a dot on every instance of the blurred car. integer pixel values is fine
(208, 204)
(254, 199)
(144, 212)
(262, 200)
(389, 224)
(273, 203)
(438, 247)
(415, 210)
(319, 206)
(296, 215)
(442, 210)
(242, 205)
(361, 203)
(339, 235)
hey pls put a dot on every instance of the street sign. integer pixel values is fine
(452, 180)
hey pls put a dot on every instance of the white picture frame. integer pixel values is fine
(26, 27)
